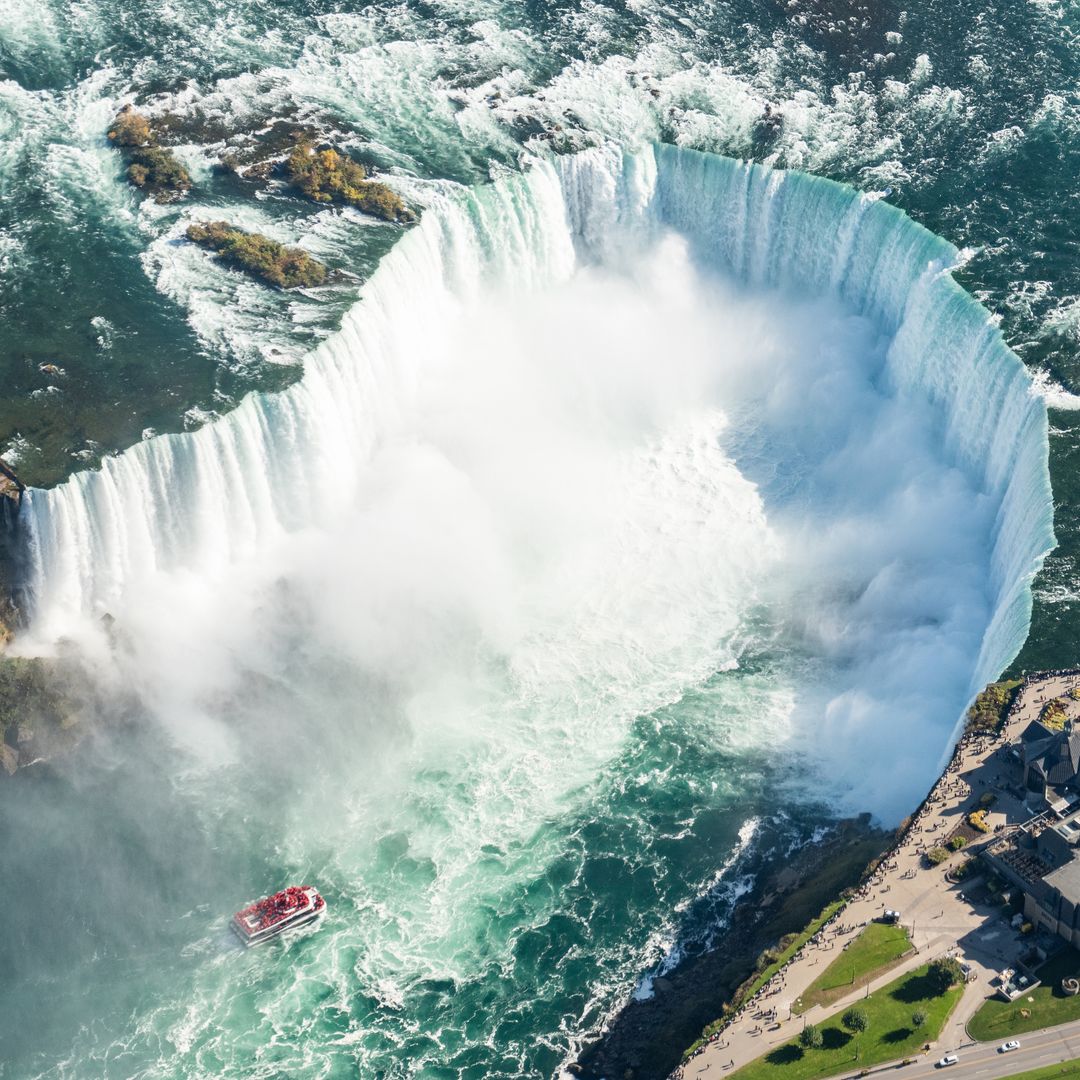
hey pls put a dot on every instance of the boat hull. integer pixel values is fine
(247, 924)
(263, 936)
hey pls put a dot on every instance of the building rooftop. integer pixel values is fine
(1054, 755)
(1066, 879)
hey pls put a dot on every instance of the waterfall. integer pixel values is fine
(209, 500)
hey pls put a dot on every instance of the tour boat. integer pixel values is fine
(272, 915)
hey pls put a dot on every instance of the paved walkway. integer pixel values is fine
(935, 912)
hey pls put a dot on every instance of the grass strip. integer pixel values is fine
(878, 948)
(1045, 1006)
(891, 1033)
(1064, 1068)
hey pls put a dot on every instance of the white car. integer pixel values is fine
(1012, 1044)
(948, 1059)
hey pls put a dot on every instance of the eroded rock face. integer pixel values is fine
(11, 489)
(40, 707)
(646, 1039)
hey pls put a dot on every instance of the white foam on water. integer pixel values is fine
(1053, 393)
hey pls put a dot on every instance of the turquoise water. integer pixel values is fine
(635, 517)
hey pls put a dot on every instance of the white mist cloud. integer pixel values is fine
(565, 526)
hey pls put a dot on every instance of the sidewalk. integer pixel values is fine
(931, 908)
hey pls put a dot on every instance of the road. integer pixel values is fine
(937, 913)
(982, 1061)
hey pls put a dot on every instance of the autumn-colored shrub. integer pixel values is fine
(1053, 715)
(990, 706)
(130, 128)
(158, 172)
(327, 176)
(286, 267)
(150, 167)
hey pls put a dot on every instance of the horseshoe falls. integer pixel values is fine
(648, 511)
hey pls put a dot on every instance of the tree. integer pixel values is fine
(918, 1018)
(936, 856)
(945, 972)
(810, 1038)
(855, 1020)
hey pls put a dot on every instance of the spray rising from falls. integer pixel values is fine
(803, 232)
(627, 474)
(207, 503)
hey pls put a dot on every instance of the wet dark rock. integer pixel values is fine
(649, 1037)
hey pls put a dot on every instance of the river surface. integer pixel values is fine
(599, 538)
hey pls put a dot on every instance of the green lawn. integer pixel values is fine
(872, 953)
(998, 1020)
(890, 1034)
(1049, 1072)
(799, 941)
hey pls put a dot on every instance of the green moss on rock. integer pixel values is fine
(266, 259)
(38, 709)
(326, 176)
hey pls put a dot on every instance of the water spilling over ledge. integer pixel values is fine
(804, 232)
(202, 502)
(640, 496)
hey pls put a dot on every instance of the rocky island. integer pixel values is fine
(263, 258)
(327, 176)
(151, 168)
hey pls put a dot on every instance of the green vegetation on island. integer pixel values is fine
(266, 259)
(151, 168)
(878, 948)
(990, 707)
(327, 176)
(884, 1030)
(1044, 1006)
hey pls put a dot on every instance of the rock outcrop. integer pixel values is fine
(266, 259)
(328, 176)
(646, 1040)
(151, 168)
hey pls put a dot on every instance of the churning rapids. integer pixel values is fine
(645, 503)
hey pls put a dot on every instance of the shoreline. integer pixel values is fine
(649, 1037)
(732, 1040)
